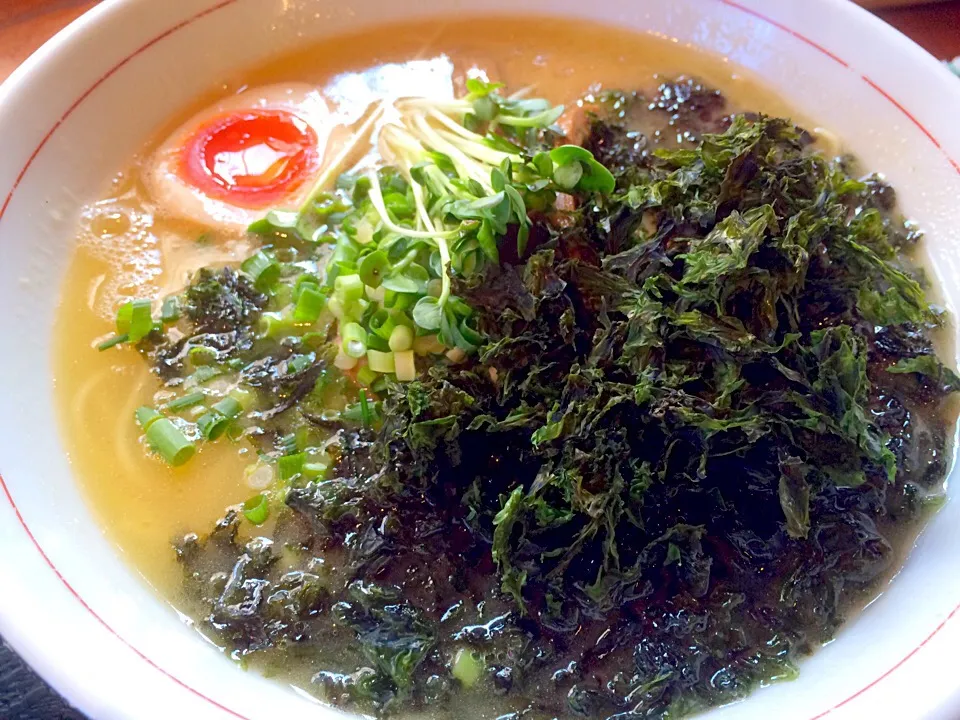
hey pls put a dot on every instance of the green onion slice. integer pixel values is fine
(348, 289)
(262, 269)
(229, 407)
(257, 509)
(184, 402)
(168, 440)
(382, 323)
(290, 465)
(354, 340)
(112, 342)
(309, 305)
(135, 319)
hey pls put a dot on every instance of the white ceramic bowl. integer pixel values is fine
(77, 110)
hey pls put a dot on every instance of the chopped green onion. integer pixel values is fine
(304, 281)
(345, 251)
(354, 340)
(262, 269)
(381, 362)
(366, 414)
(338, 269)
(168, 440)
(212, 424)
(348, 289)
(243, 396)
(405, 366)
(469, 333)
(373, 267)
(389, 298)
(184, 402)
(382, 323)
(229, 407)
(401, 338)
(278, 225)
(309, 305)
(257, 509)
(306, 437)
(135, 319)
(357, 308)
(336, 308)
(170, 310)
(217, 420)
(115, 340)
(290, 465)
(146, 416)
(354, 412)
(274, 325)
(364, 231)
(282, 295)
(375, 342)
(375, 294)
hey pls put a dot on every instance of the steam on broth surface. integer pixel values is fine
(500, 629)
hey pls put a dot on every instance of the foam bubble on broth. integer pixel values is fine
(117, 232)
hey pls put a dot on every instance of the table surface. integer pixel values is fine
(26, 24)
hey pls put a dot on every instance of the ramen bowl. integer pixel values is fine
(74, 114)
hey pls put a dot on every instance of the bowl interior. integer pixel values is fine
(78, 111)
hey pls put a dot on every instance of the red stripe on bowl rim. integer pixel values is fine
(786, 29)
(225, 3)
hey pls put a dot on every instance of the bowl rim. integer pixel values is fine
(80, 28)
